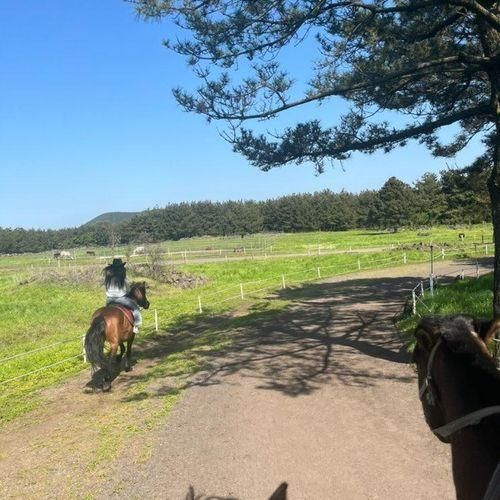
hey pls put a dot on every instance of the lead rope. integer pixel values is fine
(426, 386)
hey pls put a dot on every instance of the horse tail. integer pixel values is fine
(94, 343)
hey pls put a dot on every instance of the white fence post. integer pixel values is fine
(83, 349)
(319, 273)
(485, 249)
(404, 258)
(414, 302)
(422, 289)
(431, 282)
(442, 253)
(200, 310)
(241, 291)
(283, 284)
(359, 265)
(156, 321)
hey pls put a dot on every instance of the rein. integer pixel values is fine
(427, 389)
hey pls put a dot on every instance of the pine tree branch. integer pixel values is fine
(308, 142)
(418, 69)
(478, 9)
(439, 27)
(409, 132)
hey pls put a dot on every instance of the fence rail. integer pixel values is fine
(427, 286)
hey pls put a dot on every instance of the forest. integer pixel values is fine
(452, 198)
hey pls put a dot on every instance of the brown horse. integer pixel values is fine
(460, 394)
(111, 324)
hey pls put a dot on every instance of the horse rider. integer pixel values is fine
(117, 287)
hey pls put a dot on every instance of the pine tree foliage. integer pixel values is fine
(435, 62)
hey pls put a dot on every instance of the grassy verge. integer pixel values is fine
(470, 296)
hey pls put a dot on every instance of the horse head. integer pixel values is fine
(138, 294)
(448, 347)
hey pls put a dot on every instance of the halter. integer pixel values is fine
(428, 389)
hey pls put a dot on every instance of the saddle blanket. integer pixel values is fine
(125, 310)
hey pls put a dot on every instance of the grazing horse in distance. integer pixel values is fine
(113, 324)
(460, 394)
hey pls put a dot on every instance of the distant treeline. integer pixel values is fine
(451, 198)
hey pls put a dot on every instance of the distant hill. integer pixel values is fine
(111, 217)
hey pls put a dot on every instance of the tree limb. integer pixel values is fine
(267, 155)
(409, 132)
(341, 91)
(478, 9)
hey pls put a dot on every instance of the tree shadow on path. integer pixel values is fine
(339, 332)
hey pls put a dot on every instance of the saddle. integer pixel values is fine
(125, 310)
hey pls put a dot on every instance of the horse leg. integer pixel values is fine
(128, 357)
(120, 356)
(108, 377)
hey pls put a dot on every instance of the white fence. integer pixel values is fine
(426, 287)
(247, 291)
(239, 253)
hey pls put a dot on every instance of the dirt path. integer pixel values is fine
(320, 396)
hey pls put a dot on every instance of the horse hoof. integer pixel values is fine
(128, 368)
(106, 387)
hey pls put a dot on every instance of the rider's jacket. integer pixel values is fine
(114, 291)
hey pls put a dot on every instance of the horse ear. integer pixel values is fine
(280, 493)
(426, 333)
(190, 494)
(486, 329)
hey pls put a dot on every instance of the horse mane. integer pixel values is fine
(463, 337)
(135, 284)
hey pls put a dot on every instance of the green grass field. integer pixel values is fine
(261, 245)
(470, 296)
(37, 312)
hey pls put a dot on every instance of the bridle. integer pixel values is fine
(428, 390)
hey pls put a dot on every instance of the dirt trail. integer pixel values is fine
(320, 396)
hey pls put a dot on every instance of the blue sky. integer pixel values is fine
(88, 123)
